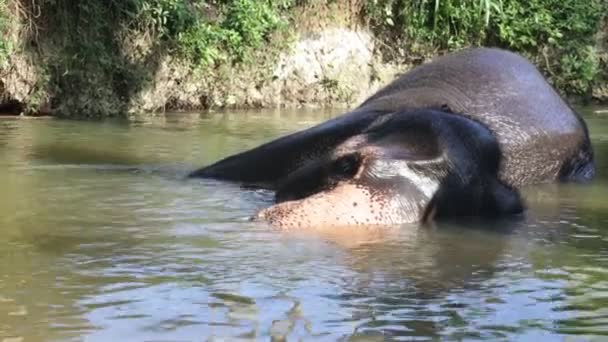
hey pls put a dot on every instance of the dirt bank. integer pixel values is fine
(332, 59)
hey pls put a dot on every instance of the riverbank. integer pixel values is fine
(126, 59)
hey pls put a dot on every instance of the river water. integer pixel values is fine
(102, 238)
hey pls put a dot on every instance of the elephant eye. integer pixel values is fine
(347, 166)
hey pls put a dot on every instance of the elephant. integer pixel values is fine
(454, 137)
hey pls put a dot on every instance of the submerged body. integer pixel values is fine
(449, 138)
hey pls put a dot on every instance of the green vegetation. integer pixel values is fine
(561, 32)
(246, 25)
(557, 34)
(5, 44)
(423, 26)
(94, 56)
(214, 31)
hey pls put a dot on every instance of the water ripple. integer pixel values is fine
(99, 250)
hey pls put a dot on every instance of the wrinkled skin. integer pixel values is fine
(453, 137)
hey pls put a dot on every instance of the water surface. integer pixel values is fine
(101, 238)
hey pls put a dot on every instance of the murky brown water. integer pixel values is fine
(102, 239)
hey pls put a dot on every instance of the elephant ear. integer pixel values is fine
(446, 163)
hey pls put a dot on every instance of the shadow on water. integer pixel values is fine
(523, 277)
(406, 275)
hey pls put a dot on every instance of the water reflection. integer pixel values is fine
(101, 238)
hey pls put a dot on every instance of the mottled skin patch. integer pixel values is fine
(514, 130)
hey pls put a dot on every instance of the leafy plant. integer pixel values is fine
(556, 34)
(244, 25)
(5, 44)
(437, 24)
(166, 18)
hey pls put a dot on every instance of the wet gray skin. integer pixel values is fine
(539, 139)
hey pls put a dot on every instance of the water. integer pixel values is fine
(102, 239)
